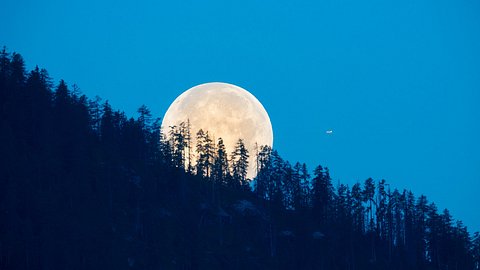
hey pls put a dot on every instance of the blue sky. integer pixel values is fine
(397, 81)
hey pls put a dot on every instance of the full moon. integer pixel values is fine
(226, 111)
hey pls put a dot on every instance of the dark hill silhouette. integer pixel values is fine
(83, 186)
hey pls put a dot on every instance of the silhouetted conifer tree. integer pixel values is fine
(205, 153)
(476, 250)
(239, 161)
(358, 208)
(322, 196)
(262, 181)
(220, 166)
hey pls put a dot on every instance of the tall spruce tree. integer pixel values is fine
(322, 195)
(240, 163)
(205, 153)
(220, 166)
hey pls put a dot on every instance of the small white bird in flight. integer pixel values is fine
(329, 131)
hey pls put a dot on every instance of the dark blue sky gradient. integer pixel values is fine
(397, 81)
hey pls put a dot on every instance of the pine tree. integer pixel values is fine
(397, 202)
(290, 187)
(145, 117)
(4, 65)
(264, 171)
(200, 150)
(381, 211)
(220, 166)
(205, 153)
(62, 97)
(4, 76)
(17, 71)
(357, 208)
(209, 154)
(342, 205)
(322, 195)
(107, 129)
(433, 236)
(305, 185)
(276, 179)
(421, 210)
(188, 145)
(240, 163)
(476, 250)
(298, 195)
(154, 141)
(165, 150)
(368, 196)
(462, 247)
(95, 113)
(181, 145)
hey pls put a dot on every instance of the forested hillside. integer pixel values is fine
(84, 186)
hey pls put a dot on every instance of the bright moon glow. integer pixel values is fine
(226, 111)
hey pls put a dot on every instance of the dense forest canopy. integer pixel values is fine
(83, 186)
